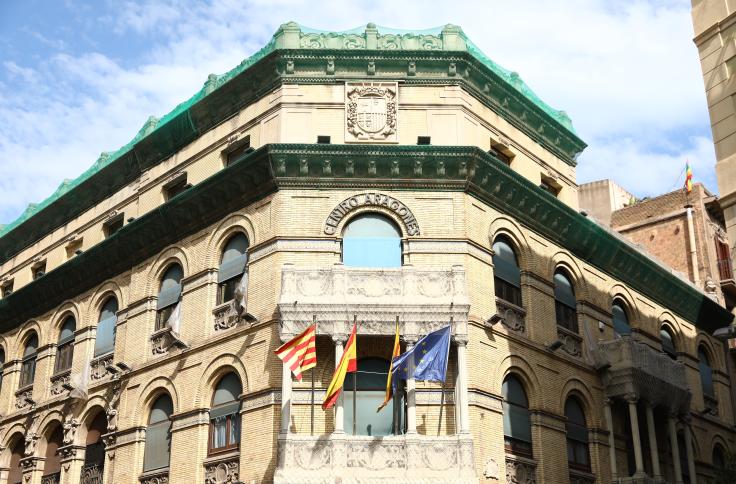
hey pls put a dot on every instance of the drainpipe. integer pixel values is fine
(693, 249)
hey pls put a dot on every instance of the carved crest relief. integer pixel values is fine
(371, 110)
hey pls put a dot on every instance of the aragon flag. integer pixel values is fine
(300, 354)
(348, 364)
(396, 353)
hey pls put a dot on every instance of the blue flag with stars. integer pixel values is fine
(427, 360)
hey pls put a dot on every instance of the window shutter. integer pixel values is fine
(168, 297)
(105, 341)
(232, 267)
(158, 446)
(226, 409)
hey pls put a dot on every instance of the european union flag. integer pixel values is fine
(427, 360)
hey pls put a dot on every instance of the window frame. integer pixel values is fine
(28, 364)
(513, 444)
(621, 304)
(701, 367)
(157, 427)
(504, 289)
(65, 347)
(113, 225)
(163, 313)
(231, 419)
(226, 288)
(100, 320)
(566, 316)
(669, 351)
(576, 443)
(390, 222)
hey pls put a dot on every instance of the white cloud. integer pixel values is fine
(628, 76)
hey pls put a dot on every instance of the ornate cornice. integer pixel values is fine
(280, 166)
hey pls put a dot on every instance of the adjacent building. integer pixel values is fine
(372, 177)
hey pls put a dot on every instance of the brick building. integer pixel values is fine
(368, 176)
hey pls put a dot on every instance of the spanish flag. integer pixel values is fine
(348, 364)
(396, 352)
(688, 178)
(300, 354)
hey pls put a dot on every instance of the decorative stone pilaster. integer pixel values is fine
(222, 469)
(462, 382)
(671, 424)
(653, 441)
(338, 340)
(411, 395)
(58, 380)
(689, 450)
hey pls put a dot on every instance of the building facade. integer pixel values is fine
(368, 177)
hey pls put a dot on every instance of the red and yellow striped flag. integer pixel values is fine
(348, 364)
(394, 354)
(688, 178)
(300, 354)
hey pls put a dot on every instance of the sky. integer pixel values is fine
(79, 78)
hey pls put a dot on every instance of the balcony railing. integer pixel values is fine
(425, 299)
(51, 478)
(395, 458)
(636, 368)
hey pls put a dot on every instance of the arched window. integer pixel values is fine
(565, 304)
(506, 274)
(168, 294)
(370, 393)
(94, 450)
(577, 435)
(668, 342)
(232, 267)
(105, 339)
(620, 318)
(65, 345)
(719, 457)
(52, 464)
(157, 451)
(225, 415)
(371, 240)
(28, 366)
(706, 373)
(15, 475)
(517, 427)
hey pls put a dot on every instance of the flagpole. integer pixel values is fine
(355, 381)
(311, 427)
(442, 397)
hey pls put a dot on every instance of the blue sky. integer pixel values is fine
(78, 78)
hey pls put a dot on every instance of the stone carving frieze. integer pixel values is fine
(225, 317)
(222, 471)
(385, 456)
(157, 477)
(371, 112)
(520, 471)
(22, 396)
(572, 344)
(512, 317)
(98, 367)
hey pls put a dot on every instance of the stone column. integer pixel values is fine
(653, 441)
(675, 449)
(339, 339)
(462, 383)
(411, 401)
(634, 418)
(285, 399)
(611, 438)
(689, 450)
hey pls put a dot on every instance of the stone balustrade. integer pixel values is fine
(425, 299)
(398, 458)
(635, 368)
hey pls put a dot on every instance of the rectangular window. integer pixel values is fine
(64, 354)
(323, 140)
(567, 317)
(501, 151)
(224, 433)
(39, 270)
(507, 291)
(7, 289)
(424, 140)
(175, 187)
(113, 225)
(241, 151)
(163, 316)
(226, 290)
(27, 372)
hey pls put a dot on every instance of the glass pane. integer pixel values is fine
(172, 277)
(110, 309)
(505, 265)
(706, 373)
(105, 339)
(236, 246)
(67, 330)
(516, 422)
(668, 345)
(234, 429)
(563, 290)
(219, 427)
(228, 389)
(620, 320)
(566, 317)
(158, 446)
(31, 346)
(513, 391)
(161, 410)
(369, 422)
(371, 241)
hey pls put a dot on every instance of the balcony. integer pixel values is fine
(424, 299)
(396, 458)
(636, 368)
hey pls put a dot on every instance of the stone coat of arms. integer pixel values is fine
(370, 111)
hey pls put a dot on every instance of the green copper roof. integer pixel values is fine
(289, 37)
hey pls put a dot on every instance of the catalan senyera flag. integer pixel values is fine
(300, 354)
(688, 178)
(348, 364)
(396, 352)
